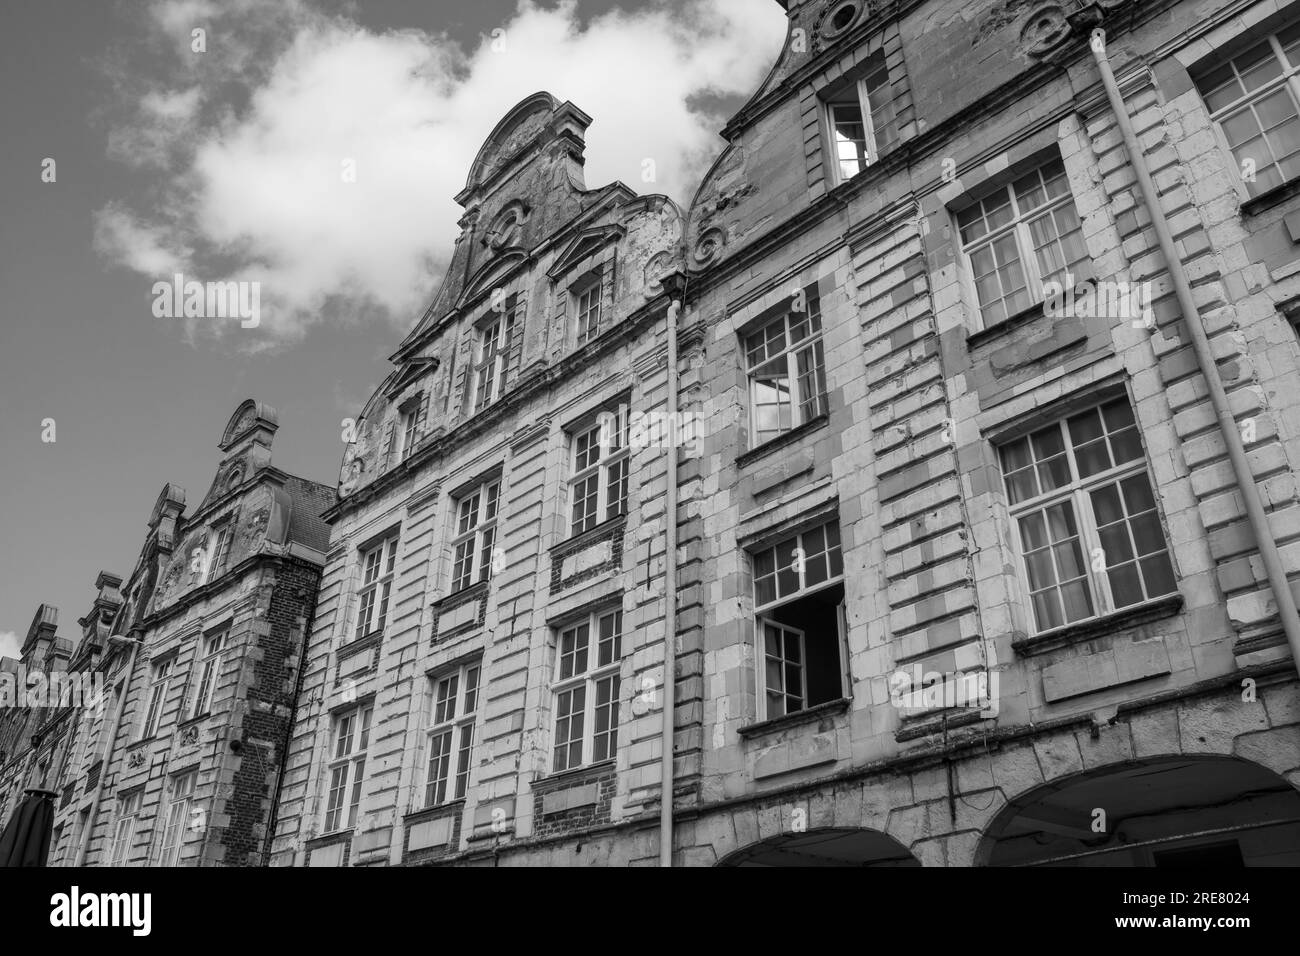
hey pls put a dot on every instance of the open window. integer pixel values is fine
(861, 123)
(799, 621)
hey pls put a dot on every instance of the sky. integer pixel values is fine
(312, 147)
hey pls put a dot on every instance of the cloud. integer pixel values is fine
(10, 644)
(248, 143)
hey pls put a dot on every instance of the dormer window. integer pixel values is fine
(492, 358)
(860, 120)
(586, 297)
(404, 440)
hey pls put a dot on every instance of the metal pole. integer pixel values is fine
(670, 600)
(1277, 579)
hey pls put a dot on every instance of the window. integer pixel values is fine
(787, 373)
(492, 359)
(476, 530)
(451, 737)
(347, 767)
(1089, 536)
(1019, 239)
(1252, 99)
(598, 482)
(798, 602)
(157, 697)
(377, 564)
(404, 438)
(128, 809)
(586, 691)
(178, 814)
(586, 299)
(219, 556)
(862, 121)
(209, 561)
(209, 671)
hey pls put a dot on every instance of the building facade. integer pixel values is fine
(196, 659)
(968, 569)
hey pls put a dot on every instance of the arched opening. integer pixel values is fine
(1162, 812)
(824, 847)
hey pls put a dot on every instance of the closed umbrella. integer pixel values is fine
(26, 840)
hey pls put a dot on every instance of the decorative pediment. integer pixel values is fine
(586, 243)
(493, 275)
(408, 373)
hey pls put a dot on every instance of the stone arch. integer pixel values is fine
(1154, 810)
(823, 846)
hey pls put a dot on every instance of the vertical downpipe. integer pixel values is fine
(670, 599)
(1286, 606)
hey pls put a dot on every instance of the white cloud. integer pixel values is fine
(10, 644)
(250, 188)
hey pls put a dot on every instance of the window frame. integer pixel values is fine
(762, 610)
(491, 365)
(456, 725)
(870, 113)
(589, 681)
(1288, 79)
(404, 435)
(385, 572)
(1078, 493)
(591, 285)
(791, 352)
(175, 822)
(219, 551)
(613, 457)
(128, 815)
(159, 684)
(214, 645)
(351, 763)
(477, 529)
(1019, 228)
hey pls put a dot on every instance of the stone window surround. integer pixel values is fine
(776, 302)
(994, 181)
(887, 40)
(1224, 40)
(459, 667)
(478, 482)
(588, 679)
(1011, 423)
(570, 432)
(812, 517)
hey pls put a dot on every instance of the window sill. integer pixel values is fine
(1274, 197)
(467, 593)
(450, 808)
(328, 839)
(1129, 617)
(783, 440)
(563, 778)
(809, 715)
(578, 541)
(992, 332)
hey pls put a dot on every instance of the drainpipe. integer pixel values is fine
(1286, 606)
(108, 757)
(670, 600)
